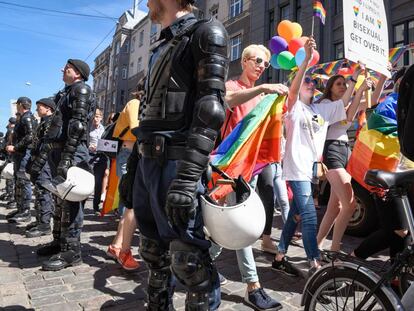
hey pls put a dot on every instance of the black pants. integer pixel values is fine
(44, 200)
(390, 216)
(99, 163)
(266, 193)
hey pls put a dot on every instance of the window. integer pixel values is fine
(285, 12)
(403, 34)
(411, 39)
(133, 41)
(298, 11)
(126, 47)
(115, 73)
(131, 65)
(141, 38)
(338, 7)
(117, 47)
(153, 33)
(139, 64)
(124, 73)
(236, 7)
(214, 13)
(272, 25)
(235, 44)
(339, 50)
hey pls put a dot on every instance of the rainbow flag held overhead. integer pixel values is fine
(377, 145)
(252, 144)
(319, 11)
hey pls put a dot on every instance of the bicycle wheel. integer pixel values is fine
(344, 288)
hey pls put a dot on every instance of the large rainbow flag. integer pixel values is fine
(252, 144)
(377, 145)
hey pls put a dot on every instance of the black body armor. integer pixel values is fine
(24, 132)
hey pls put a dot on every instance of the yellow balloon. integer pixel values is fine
(297, 30)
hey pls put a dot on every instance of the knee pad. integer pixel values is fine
(192, 266)
(153, 253)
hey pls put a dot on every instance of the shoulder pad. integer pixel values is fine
(81, 89)
(27, 119)
(211, 36)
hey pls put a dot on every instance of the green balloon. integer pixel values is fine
(286, 60)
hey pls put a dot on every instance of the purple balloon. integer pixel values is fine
(278, 44)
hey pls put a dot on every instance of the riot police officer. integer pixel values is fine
(22, 144)
(65, 145)
(180, 117)
(9, 195)
(44, 201)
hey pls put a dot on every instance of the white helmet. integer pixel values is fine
(77, 187)
(8, 171)
(240, 223)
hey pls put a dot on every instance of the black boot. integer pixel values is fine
(12, 214)
(70, 256)
(24, 216)
(39, 230)
(49, 249)
(31, 225)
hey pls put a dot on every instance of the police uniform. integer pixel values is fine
(180, 116)
(66, 145)
(44, 201)
(22, 141)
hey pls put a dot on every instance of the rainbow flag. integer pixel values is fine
(396, 53)
(319, 11)
(252, 144)
(112, 196)
(377, 145)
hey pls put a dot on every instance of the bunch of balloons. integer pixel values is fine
(288, 47)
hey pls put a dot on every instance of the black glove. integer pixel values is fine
(180, 205)
(33, 169)
(63, 167)
(126, 184)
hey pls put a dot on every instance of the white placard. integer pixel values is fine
(107, 145)
(366, 33)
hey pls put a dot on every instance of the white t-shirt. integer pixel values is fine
(338, 130)
(299, 152)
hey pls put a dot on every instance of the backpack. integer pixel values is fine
(405, 114)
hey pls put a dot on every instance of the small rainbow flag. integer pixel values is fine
(319, 11)
(396, 53)
(252, 144)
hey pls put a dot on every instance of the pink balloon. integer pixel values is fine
(315, 58)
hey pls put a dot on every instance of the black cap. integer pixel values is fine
(399, 74)
(80, 66)
(24, 100)
(48, 102)
(12, 120)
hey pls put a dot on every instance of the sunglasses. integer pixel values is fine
(259, 60)
(309, 80)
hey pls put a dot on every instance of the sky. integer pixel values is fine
(35, 44)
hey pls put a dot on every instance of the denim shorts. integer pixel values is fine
(336, 154)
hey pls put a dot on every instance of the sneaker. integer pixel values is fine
(127, 262)
(113, 252)
(259, 300)
(222, 279)
(285, 267)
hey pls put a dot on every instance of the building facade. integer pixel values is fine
(100, 78)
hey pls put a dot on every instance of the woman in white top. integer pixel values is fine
(336, 153)
(306, 126)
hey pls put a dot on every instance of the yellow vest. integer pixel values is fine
(127, 118)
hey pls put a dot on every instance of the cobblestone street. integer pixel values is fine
(101, 284)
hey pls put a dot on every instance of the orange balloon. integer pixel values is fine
(288, 30)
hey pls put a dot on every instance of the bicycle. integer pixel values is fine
(349, 283)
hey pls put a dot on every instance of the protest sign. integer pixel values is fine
(366, 33)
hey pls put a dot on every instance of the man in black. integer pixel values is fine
(44, 201)
(65, 145)
(22, 144)
(180, 117)
(10, 184)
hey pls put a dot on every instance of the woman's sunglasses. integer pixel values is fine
(309, 80)
(259, 60)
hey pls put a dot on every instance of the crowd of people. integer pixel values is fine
(166, 135)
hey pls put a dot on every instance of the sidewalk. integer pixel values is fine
(100, 284)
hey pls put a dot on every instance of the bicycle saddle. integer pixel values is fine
(386, 180)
